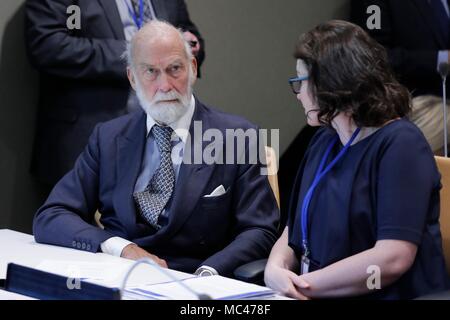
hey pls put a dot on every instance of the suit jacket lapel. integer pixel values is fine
(192, 179)
(113, 16)
(426, 11)
(160, 9)
(130, 148)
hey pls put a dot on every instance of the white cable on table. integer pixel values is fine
(200, 296)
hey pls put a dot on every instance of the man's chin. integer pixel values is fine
(167, 113)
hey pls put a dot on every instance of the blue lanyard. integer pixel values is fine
(321, 172)
(138, 21)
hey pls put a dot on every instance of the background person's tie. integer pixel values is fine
(147, 10)
(154, 198)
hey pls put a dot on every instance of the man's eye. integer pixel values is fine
(150, 71)
(175, 69)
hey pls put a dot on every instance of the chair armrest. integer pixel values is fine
(251, 272)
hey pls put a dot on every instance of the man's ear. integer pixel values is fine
(131, 78)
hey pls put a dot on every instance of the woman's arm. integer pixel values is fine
(406, 184)
(282, 255)
(278, 274)
(352, 276)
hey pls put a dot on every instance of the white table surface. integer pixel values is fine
(20, 248)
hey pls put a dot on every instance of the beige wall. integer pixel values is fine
(249, 47)
(249, 59)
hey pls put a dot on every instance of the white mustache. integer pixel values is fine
(164, 97)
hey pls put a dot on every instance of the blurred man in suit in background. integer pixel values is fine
(83, 76)
(416, 34)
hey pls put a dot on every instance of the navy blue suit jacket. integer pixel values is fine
(222, 232)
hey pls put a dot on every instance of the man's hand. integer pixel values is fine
(191, 38)
(134, 252)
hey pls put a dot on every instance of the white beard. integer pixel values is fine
(164, 112)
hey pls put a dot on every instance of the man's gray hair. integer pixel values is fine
(160, 27)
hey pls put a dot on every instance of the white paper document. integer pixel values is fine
(216, 287)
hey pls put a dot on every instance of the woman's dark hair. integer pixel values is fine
(349, 72)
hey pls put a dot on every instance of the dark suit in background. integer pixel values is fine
(411, 34)
(414, 32)
(83, 77)
(222, 232)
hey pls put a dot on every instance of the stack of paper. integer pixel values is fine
(216, 287)
(151, 284)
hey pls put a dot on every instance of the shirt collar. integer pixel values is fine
(181, 126)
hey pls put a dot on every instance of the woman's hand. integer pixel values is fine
(285, 282)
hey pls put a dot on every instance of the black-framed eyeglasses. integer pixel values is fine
(296, 83)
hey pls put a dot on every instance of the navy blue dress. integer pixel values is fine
(385, 187)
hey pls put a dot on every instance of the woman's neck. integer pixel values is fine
(345, 127)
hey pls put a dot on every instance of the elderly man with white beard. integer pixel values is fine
(193, 217)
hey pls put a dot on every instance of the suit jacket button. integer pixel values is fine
(83, 246)
(79, 245)
(74, 244)
(202, 242)
(88, 247)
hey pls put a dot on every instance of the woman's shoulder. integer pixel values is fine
(400, 126)
(402, 132)
(402, 141)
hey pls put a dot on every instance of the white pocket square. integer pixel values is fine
(220, 190)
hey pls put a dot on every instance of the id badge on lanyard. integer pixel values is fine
(304, 264)
(321, 172)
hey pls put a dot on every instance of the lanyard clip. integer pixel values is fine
(305, 249)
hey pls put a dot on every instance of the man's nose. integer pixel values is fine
(165, 84)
